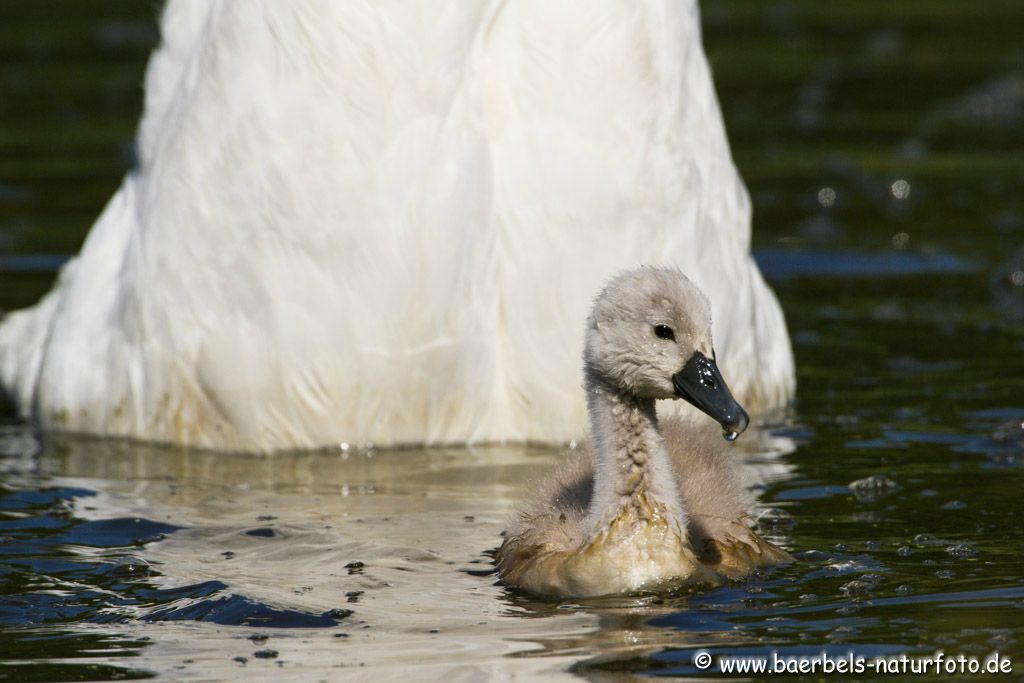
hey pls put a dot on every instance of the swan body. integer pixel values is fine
(380, 222)
(654, 504)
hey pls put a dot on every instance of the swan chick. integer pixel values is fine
(653, 506)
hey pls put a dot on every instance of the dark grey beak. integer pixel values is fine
(700, 383)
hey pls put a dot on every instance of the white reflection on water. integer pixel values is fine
(420, 522)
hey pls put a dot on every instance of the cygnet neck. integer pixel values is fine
(632, 471)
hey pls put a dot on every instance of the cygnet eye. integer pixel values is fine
(664, 332)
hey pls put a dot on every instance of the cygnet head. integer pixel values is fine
(649, 335)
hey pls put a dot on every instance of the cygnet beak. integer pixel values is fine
(700, 383)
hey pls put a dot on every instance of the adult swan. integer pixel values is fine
(384, 222)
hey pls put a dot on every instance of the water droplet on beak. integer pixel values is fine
(730, 436)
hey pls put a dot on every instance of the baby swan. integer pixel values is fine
(655, 507)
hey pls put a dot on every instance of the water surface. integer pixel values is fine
(883, 144)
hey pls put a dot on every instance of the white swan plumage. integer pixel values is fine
(382, 222)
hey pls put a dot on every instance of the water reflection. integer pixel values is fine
(364, 553)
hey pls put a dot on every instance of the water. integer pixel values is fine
(883, 144)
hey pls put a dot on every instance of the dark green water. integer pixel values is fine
(883, 145)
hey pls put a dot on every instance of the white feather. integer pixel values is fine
(384, 222)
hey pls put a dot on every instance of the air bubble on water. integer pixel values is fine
(927, 540)
(872, 579)
(775, 517)
(826, 196)
(962, 550)
(131, 567)
(813, 556)
(845, 567)
(900, 189)
(872, 488)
